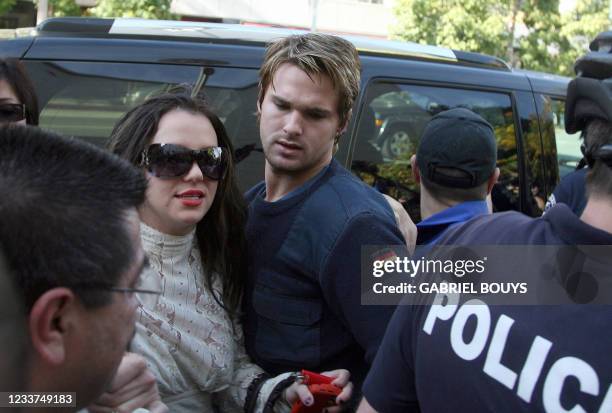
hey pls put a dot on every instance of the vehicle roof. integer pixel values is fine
(244, 34)
(179, 42)
(546, 82)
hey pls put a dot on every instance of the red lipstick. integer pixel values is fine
(191, 197)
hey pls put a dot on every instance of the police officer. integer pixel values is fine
(451, 357)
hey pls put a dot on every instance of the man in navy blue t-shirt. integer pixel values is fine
(310, 217)
(455, 167)
(570, 191)
(449, 357)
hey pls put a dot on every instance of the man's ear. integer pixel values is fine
(415, 169)
(50, 319)
(343, 128)
(492, 180)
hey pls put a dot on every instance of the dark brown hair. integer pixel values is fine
(14, 73)
(598, 132)
(317, 53)
(221, 233)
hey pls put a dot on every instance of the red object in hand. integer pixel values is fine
(322, 390)
(308, 378)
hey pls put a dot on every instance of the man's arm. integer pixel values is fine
(364, 407)
(340, 279)
(391, 383)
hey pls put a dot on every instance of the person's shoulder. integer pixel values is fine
(500, 228)
(570, 191)
(346, 196)
(574, 176)
(344, 205)
(570, 184)
(252, 193)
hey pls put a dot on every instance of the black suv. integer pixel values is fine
(90, 71)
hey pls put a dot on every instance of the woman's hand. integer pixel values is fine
(133, 387)
(341, 379)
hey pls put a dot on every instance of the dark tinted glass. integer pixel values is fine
(390, 126)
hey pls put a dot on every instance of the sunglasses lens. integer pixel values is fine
(171, 161)
(212, 163)
(168, 161)
(12, 112)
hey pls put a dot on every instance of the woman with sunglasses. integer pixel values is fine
(192, 230)
(18, 103)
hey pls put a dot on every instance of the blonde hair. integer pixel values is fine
(316, 53)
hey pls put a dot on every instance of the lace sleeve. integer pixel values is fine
(233, 398)
(244, 373)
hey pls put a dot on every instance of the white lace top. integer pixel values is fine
(192, 346)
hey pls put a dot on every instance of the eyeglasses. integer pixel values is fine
(171, 161)
(114, 289)
(12, 112)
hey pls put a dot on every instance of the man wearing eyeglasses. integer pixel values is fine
(12, 335)
(69, 230)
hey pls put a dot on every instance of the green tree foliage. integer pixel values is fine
(526, 33)
(61, 8)
(470, 25)
(148, 9)
(580, 26)
(6, 6)
(542, 47)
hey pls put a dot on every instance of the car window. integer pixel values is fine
(568, 145)
(390, 125)
(85, 99)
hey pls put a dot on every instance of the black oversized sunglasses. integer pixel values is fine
(12, 112)
(167, 160)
